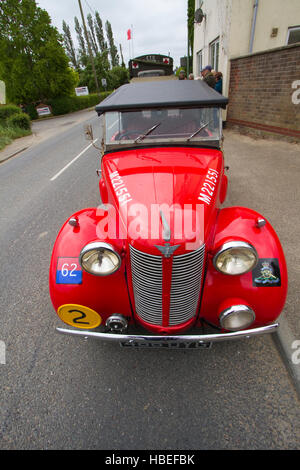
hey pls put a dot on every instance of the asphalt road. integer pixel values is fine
(60, 392)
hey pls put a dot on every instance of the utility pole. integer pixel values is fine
(89, 47)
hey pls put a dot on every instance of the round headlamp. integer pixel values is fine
(100, 259)
(237, 317)
(235, 258)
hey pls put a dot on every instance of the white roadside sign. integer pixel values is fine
(2, 93)
(43, 111)
(82, 91)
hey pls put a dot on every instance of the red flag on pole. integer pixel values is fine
(129, 34)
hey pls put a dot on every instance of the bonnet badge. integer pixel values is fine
(167, 250)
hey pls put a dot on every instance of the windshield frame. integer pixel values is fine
(148, 140)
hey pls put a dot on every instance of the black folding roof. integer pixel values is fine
(158, 94)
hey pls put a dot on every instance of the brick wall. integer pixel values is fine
(260, 92)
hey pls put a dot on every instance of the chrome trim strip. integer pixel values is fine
(185, 338)
(166, 227)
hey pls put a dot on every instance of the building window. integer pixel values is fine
(214, 54)
(293, 35)
(199, 62)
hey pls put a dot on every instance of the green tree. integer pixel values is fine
(190, 20)
(103, 48)
(92, 36)
(99, 33)
(33, 62)
(69, 45)
(87, 76)
(113, 51)
(117, 76)
(83, 57)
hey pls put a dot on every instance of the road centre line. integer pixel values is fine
(72, 161)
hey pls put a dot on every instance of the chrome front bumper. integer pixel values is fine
(200, 339)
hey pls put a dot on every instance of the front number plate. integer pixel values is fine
(164, 345)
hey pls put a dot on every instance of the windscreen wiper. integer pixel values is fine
(142, 136)
(198, 130)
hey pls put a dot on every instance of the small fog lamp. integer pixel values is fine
(237, 317)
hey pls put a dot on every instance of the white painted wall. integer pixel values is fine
(275, 14)
(216, 24)
(231, 21)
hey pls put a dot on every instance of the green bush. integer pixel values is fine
(62, 105)
(19, 120)
(31, 111)
(69, 104)
(8, 110)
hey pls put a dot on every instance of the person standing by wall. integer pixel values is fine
(181, 75)
(219, 81)
(208, 76)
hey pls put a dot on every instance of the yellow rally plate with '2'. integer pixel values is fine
(79, 316)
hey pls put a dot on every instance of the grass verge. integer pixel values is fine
(9, 133)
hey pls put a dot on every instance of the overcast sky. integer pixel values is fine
(159, 26)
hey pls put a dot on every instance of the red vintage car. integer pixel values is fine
(159, 263)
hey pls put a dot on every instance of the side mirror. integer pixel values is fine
(88, 132)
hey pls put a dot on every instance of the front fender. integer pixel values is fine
(220, 290)
(105, 294)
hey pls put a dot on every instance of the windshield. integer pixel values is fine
(162, 125)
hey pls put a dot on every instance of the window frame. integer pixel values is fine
(212, 57)
(199, 61)
(109, 145)
(290, 29)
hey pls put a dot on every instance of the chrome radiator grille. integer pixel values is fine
(148, 285)
(186, 283)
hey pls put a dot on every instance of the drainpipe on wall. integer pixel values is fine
(253, 26)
